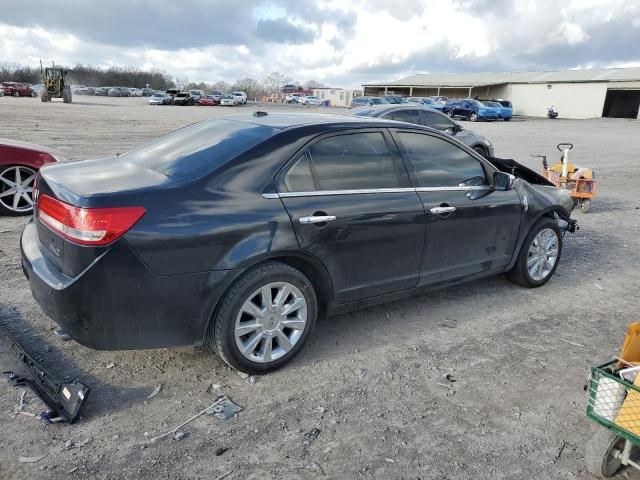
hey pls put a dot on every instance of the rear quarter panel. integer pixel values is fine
(12, 155)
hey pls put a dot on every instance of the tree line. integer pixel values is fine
(92, 76)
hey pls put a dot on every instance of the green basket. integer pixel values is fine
(614, 403)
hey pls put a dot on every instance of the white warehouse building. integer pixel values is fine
(586, 93)
(339, 97)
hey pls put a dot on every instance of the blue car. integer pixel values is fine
(470, 109)
(427, 102)
(505, 112)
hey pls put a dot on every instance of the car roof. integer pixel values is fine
(378, 110)
(284, 121)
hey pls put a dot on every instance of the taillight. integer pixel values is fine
(87, 226)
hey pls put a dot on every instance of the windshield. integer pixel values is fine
(158, 95)
(379, 101)
(198, 149)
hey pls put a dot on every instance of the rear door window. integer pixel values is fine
(436, 120)
(434, 162)
(409, 116)
(354, 161)
(198, 149)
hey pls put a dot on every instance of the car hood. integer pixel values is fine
(60, 157)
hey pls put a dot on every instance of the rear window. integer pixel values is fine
(194, 151)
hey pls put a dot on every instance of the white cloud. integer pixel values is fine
(344, 43)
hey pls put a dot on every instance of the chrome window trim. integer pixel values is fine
(318, 193)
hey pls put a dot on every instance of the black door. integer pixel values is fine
(351, 205)
(470, 228)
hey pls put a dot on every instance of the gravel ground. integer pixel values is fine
(372, 382)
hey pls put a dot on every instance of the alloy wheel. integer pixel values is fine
(543, 254)
(270, 322)
(16, 188)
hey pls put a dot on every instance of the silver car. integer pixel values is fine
(421, 115)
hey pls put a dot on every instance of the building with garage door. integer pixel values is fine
(587, 93)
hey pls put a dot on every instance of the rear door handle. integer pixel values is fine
(442, 210)
(311, 219)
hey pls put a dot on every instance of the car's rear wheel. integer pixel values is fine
(16, 190)
(539, 255)
(264, 319)
(449, 113)
(473, 116)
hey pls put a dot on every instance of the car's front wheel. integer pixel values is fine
(539, 255)
(449, 113)
(264, 319)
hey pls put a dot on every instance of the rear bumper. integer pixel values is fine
(117, 303)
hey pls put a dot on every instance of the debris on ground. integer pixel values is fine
(222, 408)
(22, 402)
(36, 459)
(224, 475)
(311, 435)
(571, 343)
(74, 469)
(389, 460)
(179, 435)
(155, 392)
(449, 378)
(220, 451)
(111, 365)
(243, 375)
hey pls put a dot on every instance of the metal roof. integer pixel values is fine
(483, 79)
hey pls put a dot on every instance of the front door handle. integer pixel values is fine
(442, 210)
(312, 219)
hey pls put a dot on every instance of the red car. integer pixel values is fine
(209, 100)
(19, 163)
(17, 89)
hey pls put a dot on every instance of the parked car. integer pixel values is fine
(229, 101)
(310, 100)
(15, 89)
(217, 95)
(19, 163)
(293, 98)
(238, 232)
(440, 99)
(209, 100)
(427, 102)
(184, 98)
(395, 99)
(36, 88)
(241, 96)
(147, 92)
(505, 113)
(78, 89)
(119, 92)
(426, 116)
(160, 98)
(196, 94)
(135, 92)
(470, 109)
(360, 101)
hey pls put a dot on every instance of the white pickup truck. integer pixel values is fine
(241, 96)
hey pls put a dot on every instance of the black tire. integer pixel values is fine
(449, 113)
(473, 116)
(598, 453)
(481, 150)
(507, 119)
(66, 94)
(221, 333)
(520, 273)
(44, 95)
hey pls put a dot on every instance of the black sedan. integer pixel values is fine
(238, 232)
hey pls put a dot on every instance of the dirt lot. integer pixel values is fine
(372, 382)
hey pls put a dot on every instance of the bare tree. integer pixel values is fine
(222, 86)
(274, 83)
(252, 87)
(181, 83)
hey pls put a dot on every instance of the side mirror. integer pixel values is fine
(503, 181)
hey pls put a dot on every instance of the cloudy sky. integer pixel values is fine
(340, 43)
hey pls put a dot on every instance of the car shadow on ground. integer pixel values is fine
(103, 398)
